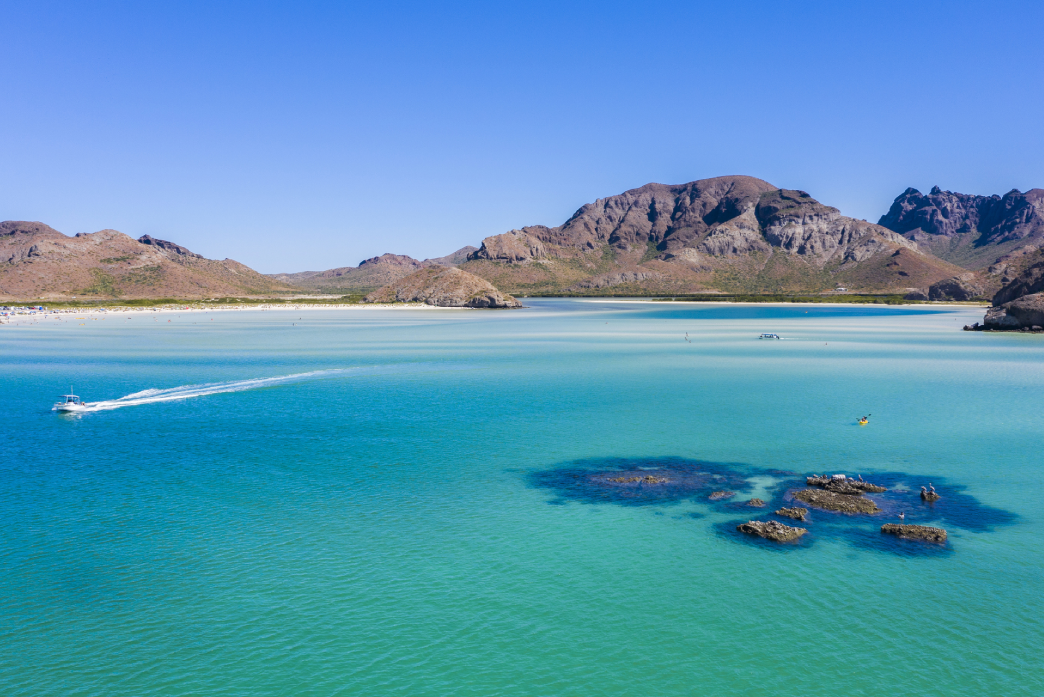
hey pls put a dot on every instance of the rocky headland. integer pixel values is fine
(771, 530)
(1019, 305)
(443, 287)
(915, 532)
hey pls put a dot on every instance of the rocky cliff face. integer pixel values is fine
(728, 233)
(972, 231)
(1020, 304)
(1031, 280)
(38, 262)
(444, 287)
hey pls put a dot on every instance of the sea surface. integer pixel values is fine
(417, 502)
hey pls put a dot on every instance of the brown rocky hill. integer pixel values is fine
(369, 274)
(38, 262)
(444, 287)
(732, 234)
(989, 233)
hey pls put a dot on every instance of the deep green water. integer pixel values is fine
(421, 524)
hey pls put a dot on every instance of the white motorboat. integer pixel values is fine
(769, 336)
(70, 403)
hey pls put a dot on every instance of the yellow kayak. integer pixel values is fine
(863, 422)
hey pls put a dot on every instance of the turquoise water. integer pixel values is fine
(416, 519)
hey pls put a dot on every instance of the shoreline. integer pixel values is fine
(95, 313)
(782, 303)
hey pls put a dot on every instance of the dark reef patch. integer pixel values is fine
(661, 481)
(599, 480)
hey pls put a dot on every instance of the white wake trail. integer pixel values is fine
(172, 394)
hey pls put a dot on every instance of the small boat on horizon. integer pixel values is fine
(769, 336)
(69, 403)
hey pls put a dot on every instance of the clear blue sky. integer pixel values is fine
(294, 136)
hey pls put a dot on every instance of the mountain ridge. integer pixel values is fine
(39, 262)
(724, 234)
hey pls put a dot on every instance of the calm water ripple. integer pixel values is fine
(403, 504)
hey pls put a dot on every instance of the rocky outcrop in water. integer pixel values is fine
(929, 496)
(647, 479)
(796, 513)
(841, 503)
(756, 503)
(841, 484)
(915, 532)
(721, 495)
(443, 287)
(771, 530)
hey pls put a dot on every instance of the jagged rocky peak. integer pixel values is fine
(26, 227)
(670, 217)
(392, 260)
(169, 246)
(786, 205)
(1013, 216)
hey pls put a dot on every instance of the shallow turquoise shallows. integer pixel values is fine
(414, 506)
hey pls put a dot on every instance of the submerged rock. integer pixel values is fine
(843, 485)
(757, 503)
(647, 479)
(797, 513)
(771, 530)
(915, 532)
(719, 495)
(831, 501)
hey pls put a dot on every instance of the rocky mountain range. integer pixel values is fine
(38, 262)
(370, 274)
(725, 234)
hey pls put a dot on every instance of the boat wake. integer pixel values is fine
(172, 394)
